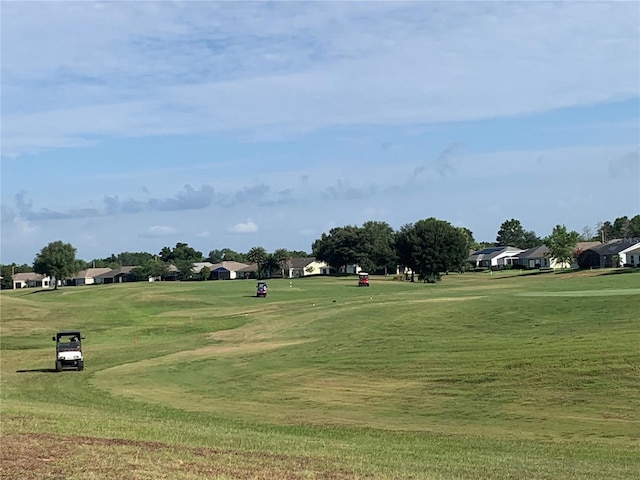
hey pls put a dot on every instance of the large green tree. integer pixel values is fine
(226, 255)
(182, 251)
(512, 234)
(57, 260)
(561, 244)
(406, 243)
(342, 246)
(431, 247)
(377, 247)
(154, 267)
(122, 259)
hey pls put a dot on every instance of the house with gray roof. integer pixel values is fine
(608, 254)
(117, 275)
(495, 257)
(536, 257)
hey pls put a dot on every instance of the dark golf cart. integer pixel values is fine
(68, 350)
(261, 289)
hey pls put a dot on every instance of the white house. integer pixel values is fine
(30, 279)
(495, 257)
(303, 266)
(630, 255)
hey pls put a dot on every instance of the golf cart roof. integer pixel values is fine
(362, 274)
(63, 333)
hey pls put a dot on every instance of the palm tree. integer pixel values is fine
(270, 264)
(282, 256)
(257, 255)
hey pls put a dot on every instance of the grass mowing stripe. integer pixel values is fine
(468, 378)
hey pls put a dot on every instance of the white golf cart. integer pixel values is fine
(68, 350)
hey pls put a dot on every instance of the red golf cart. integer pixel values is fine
(363, 279)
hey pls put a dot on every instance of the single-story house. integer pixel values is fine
(351, 269)
(198, 266)
(117, 275)
(631, 256)
(172, 273)
(495, 257)
(581, 247)
(536, 257)
(303, 266)
(227, 270)
(30, 280)
(86, 277)
(608, 254)
(249, 271)
(539, 257)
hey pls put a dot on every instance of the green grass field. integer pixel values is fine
(500, 376)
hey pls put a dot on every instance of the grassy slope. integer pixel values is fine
(480, 376)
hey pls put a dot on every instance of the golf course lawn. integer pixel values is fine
(481, 376)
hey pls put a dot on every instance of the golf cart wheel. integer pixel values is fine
(80, 365)
(58, 366)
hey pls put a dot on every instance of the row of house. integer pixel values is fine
(614, 253)
(228, 270)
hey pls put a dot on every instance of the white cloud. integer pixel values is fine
(204, 234)
(159, 231)
(244, 227)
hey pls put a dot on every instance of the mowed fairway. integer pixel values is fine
(500, 376)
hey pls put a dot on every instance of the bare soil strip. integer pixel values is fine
(33, 456)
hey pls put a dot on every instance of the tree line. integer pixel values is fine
(428, 247)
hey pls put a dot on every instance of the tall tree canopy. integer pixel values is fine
(57, 260)
(226, 255)
(561, 244)
(622, 227)
(340, 247)
(377, 240)
(181, 252)
(431, 247)
(512, 234)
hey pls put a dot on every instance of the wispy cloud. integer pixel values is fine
(442, 164)
(77, 72)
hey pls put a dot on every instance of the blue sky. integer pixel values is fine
(129, 126)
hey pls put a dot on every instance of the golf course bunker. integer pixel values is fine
(584, 293)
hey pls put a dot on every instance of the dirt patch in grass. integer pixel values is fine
(37, 456)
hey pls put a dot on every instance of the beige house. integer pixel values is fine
(88, 276)
(227, 270)
(29, 280)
